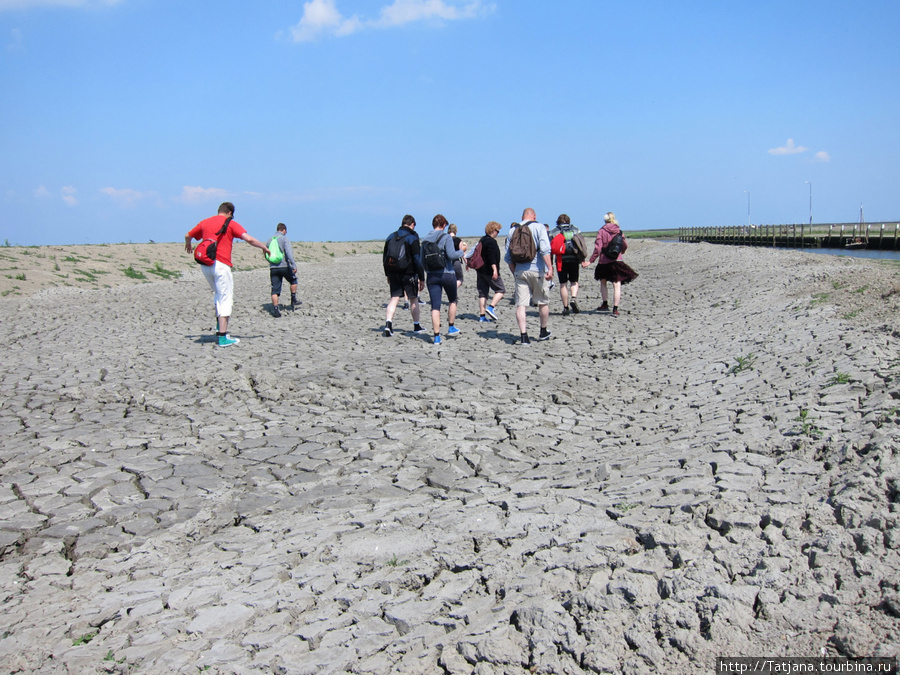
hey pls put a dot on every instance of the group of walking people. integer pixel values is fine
(436, 262)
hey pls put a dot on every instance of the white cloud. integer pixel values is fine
(407, 11)
(41, 192)
(822, 156)
(68, 195)
(193, 194)
(125, 197)
(15, 43)
(788, 149)
(323, 17)
(32, 4)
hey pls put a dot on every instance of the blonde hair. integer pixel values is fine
(610, 218)
(451, 228)
(492, 227)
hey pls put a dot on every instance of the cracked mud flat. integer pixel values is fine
(716, 472)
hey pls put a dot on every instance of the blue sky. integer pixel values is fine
(131, 120)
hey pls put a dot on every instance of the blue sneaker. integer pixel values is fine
(491, 312)
(437, 339)
(453, 331)
(227, 341)
(483, 319)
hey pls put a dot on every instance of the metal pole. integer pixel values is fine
(810, 201)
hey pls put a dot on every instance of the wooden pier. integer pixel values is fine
(867, 236)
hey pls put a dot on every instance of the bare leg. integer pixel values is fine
(414, 308)
(564, 294)
(391, 308)
(451, 313)
(617, 293)
(520, 318)
(604, 291)
(544, 313)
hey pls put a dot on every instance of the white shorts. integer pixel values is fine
(222, 283)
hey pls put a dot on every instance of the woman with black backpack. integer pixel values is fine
(609, 247)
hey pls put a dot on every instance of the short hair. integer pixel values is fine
(563, 220)
(281, 227)
(408, 220)
(610, 217)
(492, 227)
(527, 211)
(438, 221)
(226, 207)
(451, 228)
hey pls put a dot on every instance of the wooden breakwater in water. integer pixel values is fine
(869, 236)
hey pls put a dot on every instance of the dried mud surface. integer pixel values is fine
(716, 472)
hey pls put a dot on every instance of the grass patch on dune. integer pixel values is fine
(132, 273)
(87, 275)
(163, 273)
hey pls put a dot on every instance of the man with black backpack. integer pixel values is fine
(528, 256)
(404, 272)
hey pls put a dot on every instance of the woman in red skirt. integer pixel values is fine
(609, 248)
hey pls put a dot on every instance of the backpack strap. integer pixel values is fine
(224, 228)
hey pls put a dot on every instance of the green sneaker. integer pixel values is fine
(227, 341)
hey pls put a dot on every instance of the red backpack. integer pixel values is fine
(475, 261)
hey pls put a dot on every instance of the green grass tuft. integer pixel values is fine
(132, 273)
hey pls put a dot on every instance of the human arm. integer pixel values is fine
(543, 246)
(289, 254)
(490, 252)
(253, 241)
(598, 247)
(415, 252)
(193, 233)
(451, 251)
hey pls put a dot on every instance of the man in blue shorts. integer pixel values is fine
(286, 268)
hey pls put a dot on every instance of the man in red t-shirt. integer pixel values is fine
(219, 273)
